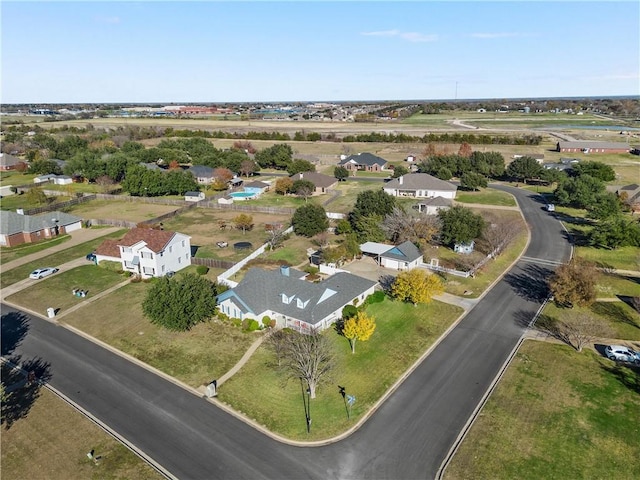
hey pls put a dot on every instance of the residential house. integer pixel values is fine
(586, 146)
(630, 195)
(420, 185)
(235, 182)
(16, 228)
(193, 196)
(148, 252)
(363, 161)
(397, 257)
(9, 162)
(49, 177)
(538, 157)
(202, 173)
(321, 181)
(284, 296)
(431, 206)
(256, 187)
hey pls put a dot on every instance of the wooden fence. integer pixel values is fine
(59, 205)
(247, 208)
(212, 262)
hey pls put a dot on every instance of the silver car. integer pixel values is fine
(43, 272)
(620, 353)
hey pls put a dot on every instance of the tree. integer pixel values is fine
(416, 286)
(247, 167)
(465, 150)
(179, 303)
(341, 173)
(275, 236)
(524, 168)
(368, 228)
(303, 188)
(283, 185)
(373, 202)
(606, 205)
(460, 225)
(224, 175)
(577, 331)
(499, 233)
(44, 167)
(579, 192)
(277, 341)
(594, 169)
(401, 226)
(444, 173)
(616, 232)
(473, 181)
(36, 196)
(309, 358)
(551, 175)
(574, 284)
(243, 222)
(399, 171)
(309, 220)
(359, 327)
(298, 166)
(277, 156)
(105, 182)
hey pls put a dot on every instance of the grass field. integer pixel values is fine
(403, 333)
(486, 197)
(7, 254)
(56, 291)
(195, 357)
(137, 211)
(52, 442)
(13, 202)
(20, 273)
(558, 414)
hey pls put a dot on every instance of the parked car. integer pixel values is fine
(43, 272)
(620, 353)
(91, 257)
(550, 207)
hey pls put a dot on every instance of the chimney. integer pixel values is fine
(400, 180)
(284, 270)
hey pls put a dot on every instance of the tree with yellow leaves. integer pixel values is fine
(416, 286)
(359, 327)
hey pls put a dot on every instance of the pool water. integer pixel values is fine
(242, 194)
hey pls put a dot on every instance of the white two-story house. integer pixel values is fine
(147, 252)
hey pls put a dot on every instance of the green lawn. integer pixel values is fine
(555, 414)
(624, 258)
(403, 333)
(13, 202)
(20, 273)
(56, 291)
(610, 285)
(487, 197)
(7, 254)
(349, 191)
(195, 357)
(16, 178)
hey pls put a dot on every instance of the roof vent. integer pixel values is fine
(284, 270)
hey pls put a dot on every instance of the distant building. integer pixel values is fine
(420, 185)
(16, 229)
(9, 162)
(592, 147)
(363, 161)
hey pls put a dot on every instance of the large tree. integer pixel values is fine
(524, 168)
(299, 165)
(416, 286)
(303, 188)
(574, 284)
(594, 169)
(473, 181)
(460, 225)
(605, 205)
(278, 156)
(358, 327)
(340, 173)
(243, 222)
(309, 220)
(579, 192)
(308, 358)
(499, 233)
(617, 231)
(283, 185)
(180, 302)
(401, 226)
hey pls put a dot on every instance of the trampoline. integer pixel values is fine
(242, 245)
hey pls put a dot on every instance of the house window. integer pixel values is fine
(146, 255)
(183, 243)
(170, 248)
(148, 271)
(127, 249)
(179, 260)
(162, 268)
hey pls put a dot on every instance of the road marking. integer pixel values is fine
(541, 261)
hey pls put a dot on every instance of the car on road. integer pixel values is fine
(43, 272)
(550, 207)
(91, 257)
(620, 353)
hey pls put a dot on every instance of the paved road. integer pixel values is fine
(408, 437)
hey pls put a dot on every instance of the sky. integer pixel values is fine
(267, 51)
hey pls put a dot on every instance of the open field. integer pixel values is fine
(20, 273)
(486, 197)
(16, 178)
(13, 202)
(195, 357)
(403, 333)
(8, 254)
(136, 211)
(56, 291)
(52, 441)
(556, 413)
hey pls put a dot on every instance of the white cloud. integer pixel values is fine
(408, 36)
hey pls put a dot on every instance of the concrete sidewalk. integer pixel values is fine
(77, 237)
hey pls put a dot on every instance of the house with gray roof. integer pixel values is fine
(16, 229)
(431, 206)
(9, 162)
(397, 257)
(321, 181)
(367, 162)
(203, 174)
(293, 302)
(420, 185)
(587, 146)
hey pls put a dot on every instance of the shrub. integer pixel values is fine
(253, 325)
(266, 321)
(127, 274)
(375, 297)
(312, 270)
(136, 278)
(223, 317)
(349, 311)
(202, 269)
(236, 322)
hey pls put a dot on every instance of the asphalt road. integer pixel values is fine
(408, 437)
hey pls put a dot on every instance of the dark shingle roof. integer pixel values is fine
(256, 184)
(7, 160)
(201, 171)
(406, 252)
(320, 180)
(262, 290)
(368, 159)
(12, 222)
(156, 240)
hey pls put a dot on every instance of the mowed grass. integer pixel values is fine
(349, 191)
(14, 202)
(486, 197)
(556, 413)
(55, 259)
(7, 254)
(195, 357)
(623, 258)
(52, 441)
(136, 211)
(56, 291)
(610, 285)
(402, 335)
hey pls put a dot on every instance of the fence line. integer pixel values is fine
(212, 262)
(452, 271)
(132, 199)
(248, 208)
(112, 222)
(59, 205)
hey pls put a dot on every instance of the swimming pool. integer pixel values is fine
(242, 195)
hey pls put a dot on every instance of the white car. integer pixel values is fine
(620, 353)
(43, 272)
(550, 207)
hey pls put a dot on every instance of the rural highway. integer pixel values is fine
(408, 437)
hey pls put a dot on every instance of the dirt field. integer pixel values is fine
(129, 211)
